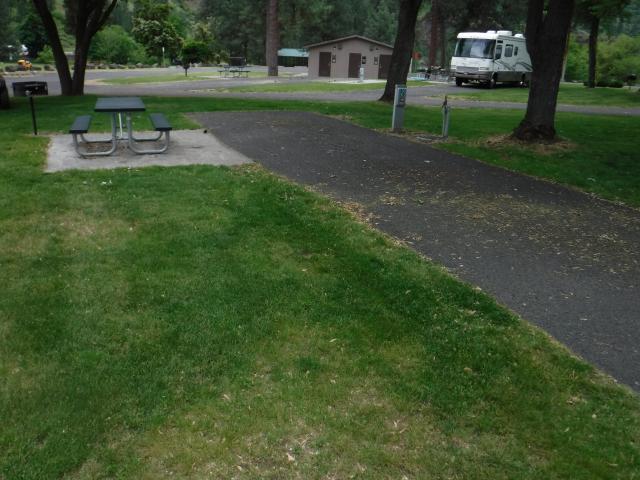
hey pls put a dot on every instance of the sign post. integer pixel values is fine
(399, 101)
(33, 113)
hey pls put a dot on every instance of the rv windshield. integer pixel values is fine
(474, 48)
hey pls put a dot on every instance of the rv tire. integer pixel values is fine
(459, 82)
(524, 83)
(493, 81)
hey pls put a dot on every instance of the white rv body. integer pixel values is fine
(490, 58)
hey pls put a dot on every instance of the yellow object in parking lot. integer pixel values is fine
(24, 65)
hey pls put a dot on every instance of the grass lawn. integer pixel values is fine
(193, 75)
(222, 323)
(315, 86)
(571, 94)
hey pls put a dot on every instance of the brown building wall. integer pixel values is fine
(341, 51)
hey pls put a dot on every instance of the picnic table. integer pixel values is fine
(233, 71)
(118, 107)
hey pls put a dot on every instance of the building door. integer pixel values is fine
(383, 66)
(324, 68)
(354, 65)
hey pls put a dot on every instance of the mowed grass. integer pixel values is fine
(202, 322)
(570, 94)
(314, 86)
(192, 75)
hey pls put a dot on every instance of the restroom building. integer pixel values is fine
(343, 57)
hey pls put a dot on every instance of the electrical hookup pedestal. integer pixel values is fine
(399, 101)
(446, 116)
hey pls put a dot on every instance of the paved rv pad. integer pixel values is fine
(564, 260)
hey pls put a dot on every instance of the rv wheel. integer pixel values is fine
(492, 82)
(458, 82)
(524, 83)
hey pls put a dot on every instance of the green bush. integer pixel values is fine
(577, 62)
(46, 55)
(115, 46)
(195, 51)
(618, 59)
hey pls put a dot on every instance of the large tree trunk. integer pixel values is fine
(402, 48)
(443, 40)
(593, 50)
(62, 64)
(434, 36)
(565, 57)
(273, 38)
(79, 68)
(546, 41)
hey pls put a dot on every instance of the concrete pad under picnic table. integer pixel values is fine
(187, 147)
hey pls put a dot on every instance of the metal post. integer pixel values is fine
(446, 116)
(33, 113)
(399, 101)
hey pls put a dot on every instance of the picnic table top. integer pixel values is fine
(119, 104)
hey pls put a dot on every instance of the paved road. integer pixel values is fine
(563, 260)
(427, 96)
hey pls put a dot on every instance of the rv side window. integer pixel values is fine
(474, 48)
(508, 51)
(515, 52)
(498, 51)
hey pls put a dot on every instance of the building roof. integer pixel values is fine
(293, 52)
(350, 37)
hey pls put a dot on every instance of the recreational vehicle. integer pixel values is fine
(490, 58)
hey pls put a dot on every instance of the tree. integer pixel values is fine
(153, 29)
(6, 33)
(402, 48)
(381, 22)
(31, 33)
(273, 38)
(86, 17)
(593, 13)
(193, 51)
(546, 35)
(113, 44)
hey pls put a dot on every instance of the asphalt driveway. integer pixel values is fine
(563, 260)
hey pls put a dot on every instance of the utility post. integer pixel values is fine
(446, 117)
(399, 101)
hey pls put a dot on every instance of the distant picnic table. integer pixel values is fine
(229, 71)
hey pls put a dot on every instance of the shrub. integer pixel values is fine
(618, 59)
(46, 55)
(194, 52)
(114, 45)
(577, 62)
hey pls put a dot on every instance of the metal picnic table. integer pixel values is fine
(117, 107)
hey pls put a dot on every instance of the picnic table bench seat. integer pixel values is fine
(162, 126)
(81, 124)
(79, 127)
(160, 122)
